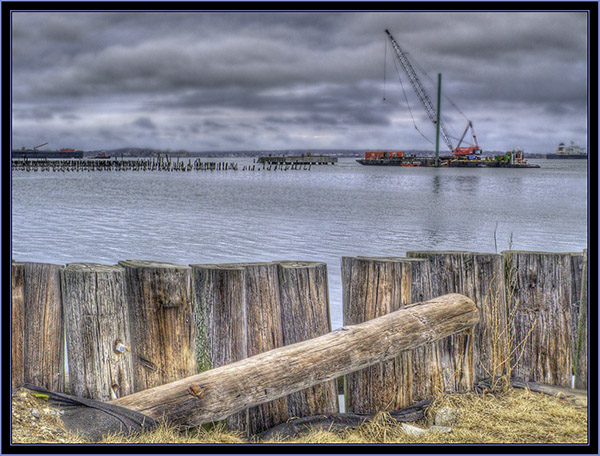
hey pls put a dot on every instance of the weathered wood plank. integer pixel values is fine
(265, 332)
(539, 285)
(97, 331)
(581, 347)
(161, 322)
(41, 325)
(218, 393)
(479, 276)
(221, 322)
(17, 325)
(304, 294)
(373, 287)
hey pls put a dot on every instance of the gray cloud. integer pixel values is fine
(286, 80)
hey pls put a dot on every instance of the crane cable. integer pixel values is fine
(408, 104)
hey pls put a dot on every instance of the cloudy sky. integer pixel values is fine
(240, 81)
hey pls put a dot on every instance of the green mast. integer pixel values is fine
(437, 121)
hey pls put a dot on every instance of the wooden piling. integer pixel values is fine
(480, 276)
(373, 288)
(97, 330)
(265, 333)
(581, 346)
(37, 326)
(304, 294)
(539, 288)
(161, 321)
(221, 321)
(18, 325)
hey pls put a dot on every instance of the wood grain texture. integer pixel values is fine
(218, 393)
(38, 331)
(577, 260)
(540, 287)
(17, 325)
(480, 276)
(96, 322)
(304, 295)
(581, 346)
(161, 318)
(265, 332)
(373, 287)
(221, 321)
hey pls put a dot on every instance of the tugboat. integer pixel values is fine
(571, 151)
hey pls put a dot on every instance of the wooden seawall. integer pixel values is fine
(137, 325)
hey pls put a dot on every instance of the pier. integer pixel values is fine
(301, 160)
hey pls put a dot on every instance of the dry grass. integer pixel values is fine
(515, 417)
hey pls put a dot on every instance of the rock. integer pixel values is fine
(35, 413)
(440, 429)
(446, 416)
(413, 430)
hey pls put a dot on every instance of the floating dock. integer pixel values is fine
(298, 160)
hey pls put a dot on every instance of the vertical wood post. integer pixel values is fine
(539, 287)
(97, 331)
(480, 276)
(17, 325)
(373, 288)
(38, 355)
(265, 333)
(221, 322)
(581, 352)
(304, 294)
(161, 322)
(577, 260)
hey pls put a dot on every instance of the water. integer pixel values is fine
(318, 215)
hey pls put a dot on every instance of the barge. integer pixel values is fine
(511, 159)
(35, 154)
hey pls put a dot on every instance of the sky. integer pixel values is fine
(224, 81)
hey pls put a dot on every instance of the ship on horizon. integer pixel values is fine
(568, 152)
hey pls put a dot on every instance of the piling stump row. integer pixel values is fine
(137, 165)
(140, 324)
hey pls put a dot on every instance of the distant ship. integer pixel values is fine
(571, 151)
(35, 153)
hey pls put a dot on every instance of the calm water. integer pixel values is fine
(318, 215)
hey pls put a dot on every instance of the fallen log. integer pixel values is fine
(218, 393)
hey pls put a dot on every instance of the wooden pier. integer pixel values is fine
(298, 160)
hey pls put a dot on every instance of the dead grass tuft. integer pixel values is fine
(517, 416)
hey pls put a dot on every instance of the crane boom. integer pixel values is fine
(418, 88)
(40, 145)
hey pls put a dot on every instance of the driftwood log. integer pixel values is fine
(97, 331)
(37, 326)
(161, 322)
(218, 393)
